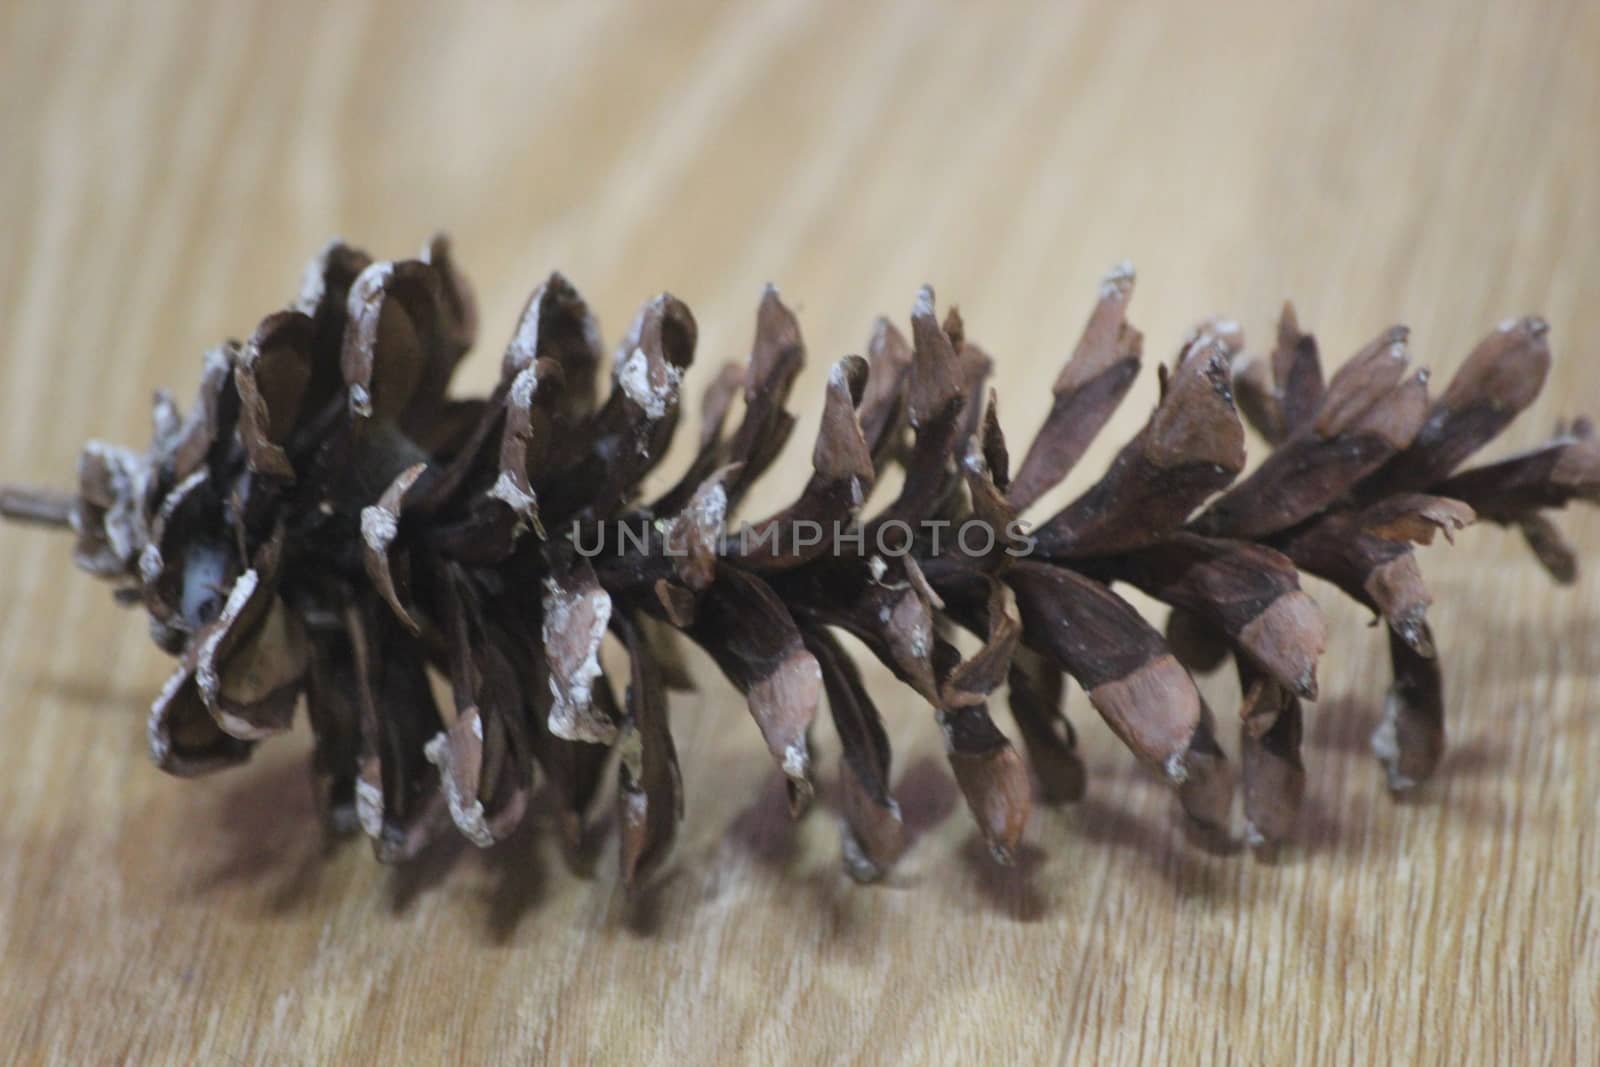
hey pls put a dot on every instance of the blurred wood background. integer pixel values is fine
(166, 169)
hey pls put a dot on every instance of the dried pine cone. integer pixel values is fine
(327, 521)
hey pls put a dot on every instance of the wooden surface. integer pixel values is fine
(164, 172)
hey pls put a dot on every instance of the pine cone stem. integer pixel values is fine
(39, 506)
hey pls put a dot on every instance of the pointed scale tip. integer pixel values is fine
(1532, 325)
(1118, 281)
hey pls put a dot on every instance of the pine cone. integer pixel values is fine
(327, 521)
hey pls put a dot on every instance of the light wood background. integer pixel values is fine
(164, 170)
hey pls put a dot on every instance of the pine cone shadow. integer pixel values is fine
(1543, 648)
(521, 879)
(764, 830)
(1340, 800)
(1347, 827)
(521, 882)
(107, 693)
(1010, 890)
(1341, 724)
(409, 881)
(927, 796)
(1192, 872)
(267, 820)
(273, 837)
(1476, 756)
(1345, 725)
(645, 909)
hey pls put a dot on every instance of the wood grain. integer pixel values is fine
(165, 169)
